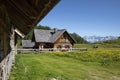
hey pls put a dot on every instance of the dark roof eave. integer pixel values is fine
(44, 42)
(48, 7)
(24, 15)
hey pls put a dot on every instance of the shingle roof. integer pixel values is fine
(27, 43)
(42, 35)
(56, 35)
(47, 35)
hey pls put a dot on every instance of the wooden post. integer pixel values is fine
(12, 43)
(9, 58)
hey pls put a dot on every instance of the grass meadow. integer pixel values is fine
(102, 63)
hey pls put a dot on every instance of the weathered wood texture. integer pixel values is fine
(8, 58)
(64, 40)
(5, 66)
(24, 14)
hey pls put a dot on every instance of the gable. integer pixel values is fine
(65, 38)
(56, 35)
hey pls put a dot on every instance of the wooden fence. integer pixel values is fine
(6, 64)
(50, 50)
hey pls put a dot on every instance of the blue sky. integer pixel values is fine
(86, 17)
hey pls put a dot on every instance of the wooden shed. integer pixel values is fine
(27, 44)
(18, 17)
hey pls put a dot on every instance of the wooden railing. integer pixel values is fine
(51, 49)
(6, 65)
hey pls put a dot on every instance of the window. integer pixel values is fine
(64, 39)
(67, 46)
(59, 46)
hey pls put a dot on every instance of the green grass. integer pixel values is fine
(62, 66)
(102, 63)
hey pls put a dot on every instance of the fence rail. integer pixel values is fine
(5, 66)
(51, 49)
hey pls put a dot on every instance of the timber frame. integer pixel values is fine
(18, 17)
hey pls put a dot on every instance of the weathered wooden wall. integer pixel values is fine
(63, 41)
(8, 53)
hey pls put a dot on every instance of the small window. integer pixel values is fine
(59, 46)
(67, 40)
(67, 46)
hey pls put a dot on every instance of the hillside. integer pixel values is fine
(115, 41)
(78, 38)
(112, 43)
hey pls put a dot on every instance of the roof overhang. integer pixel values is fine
(25, 14)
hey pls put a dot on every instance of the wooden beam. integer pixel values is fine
(5, 37)
(24, 14)
(3, 25)
(2, 1)
(24, 8)
(20, 20)
(23, 11)
(42, 12)
(19, 33)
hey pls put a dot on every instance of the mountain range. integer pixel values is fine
(93, 39)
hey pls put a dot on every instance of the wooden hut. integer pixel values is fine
(18, 17)
(27, 44)
(56, 39)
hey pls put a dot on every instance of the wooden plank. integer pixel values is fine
(15, 11)
(25, 15)
(4, 20)
(3, 25)
(18, 19)
(46, 7)
(2, 1)
(5, 37)
(5, 66)
(24, 8)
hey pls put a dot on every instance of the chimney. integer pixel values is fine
(55, 30)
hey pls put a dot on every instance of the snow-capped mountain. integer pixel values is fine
(93, 39)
